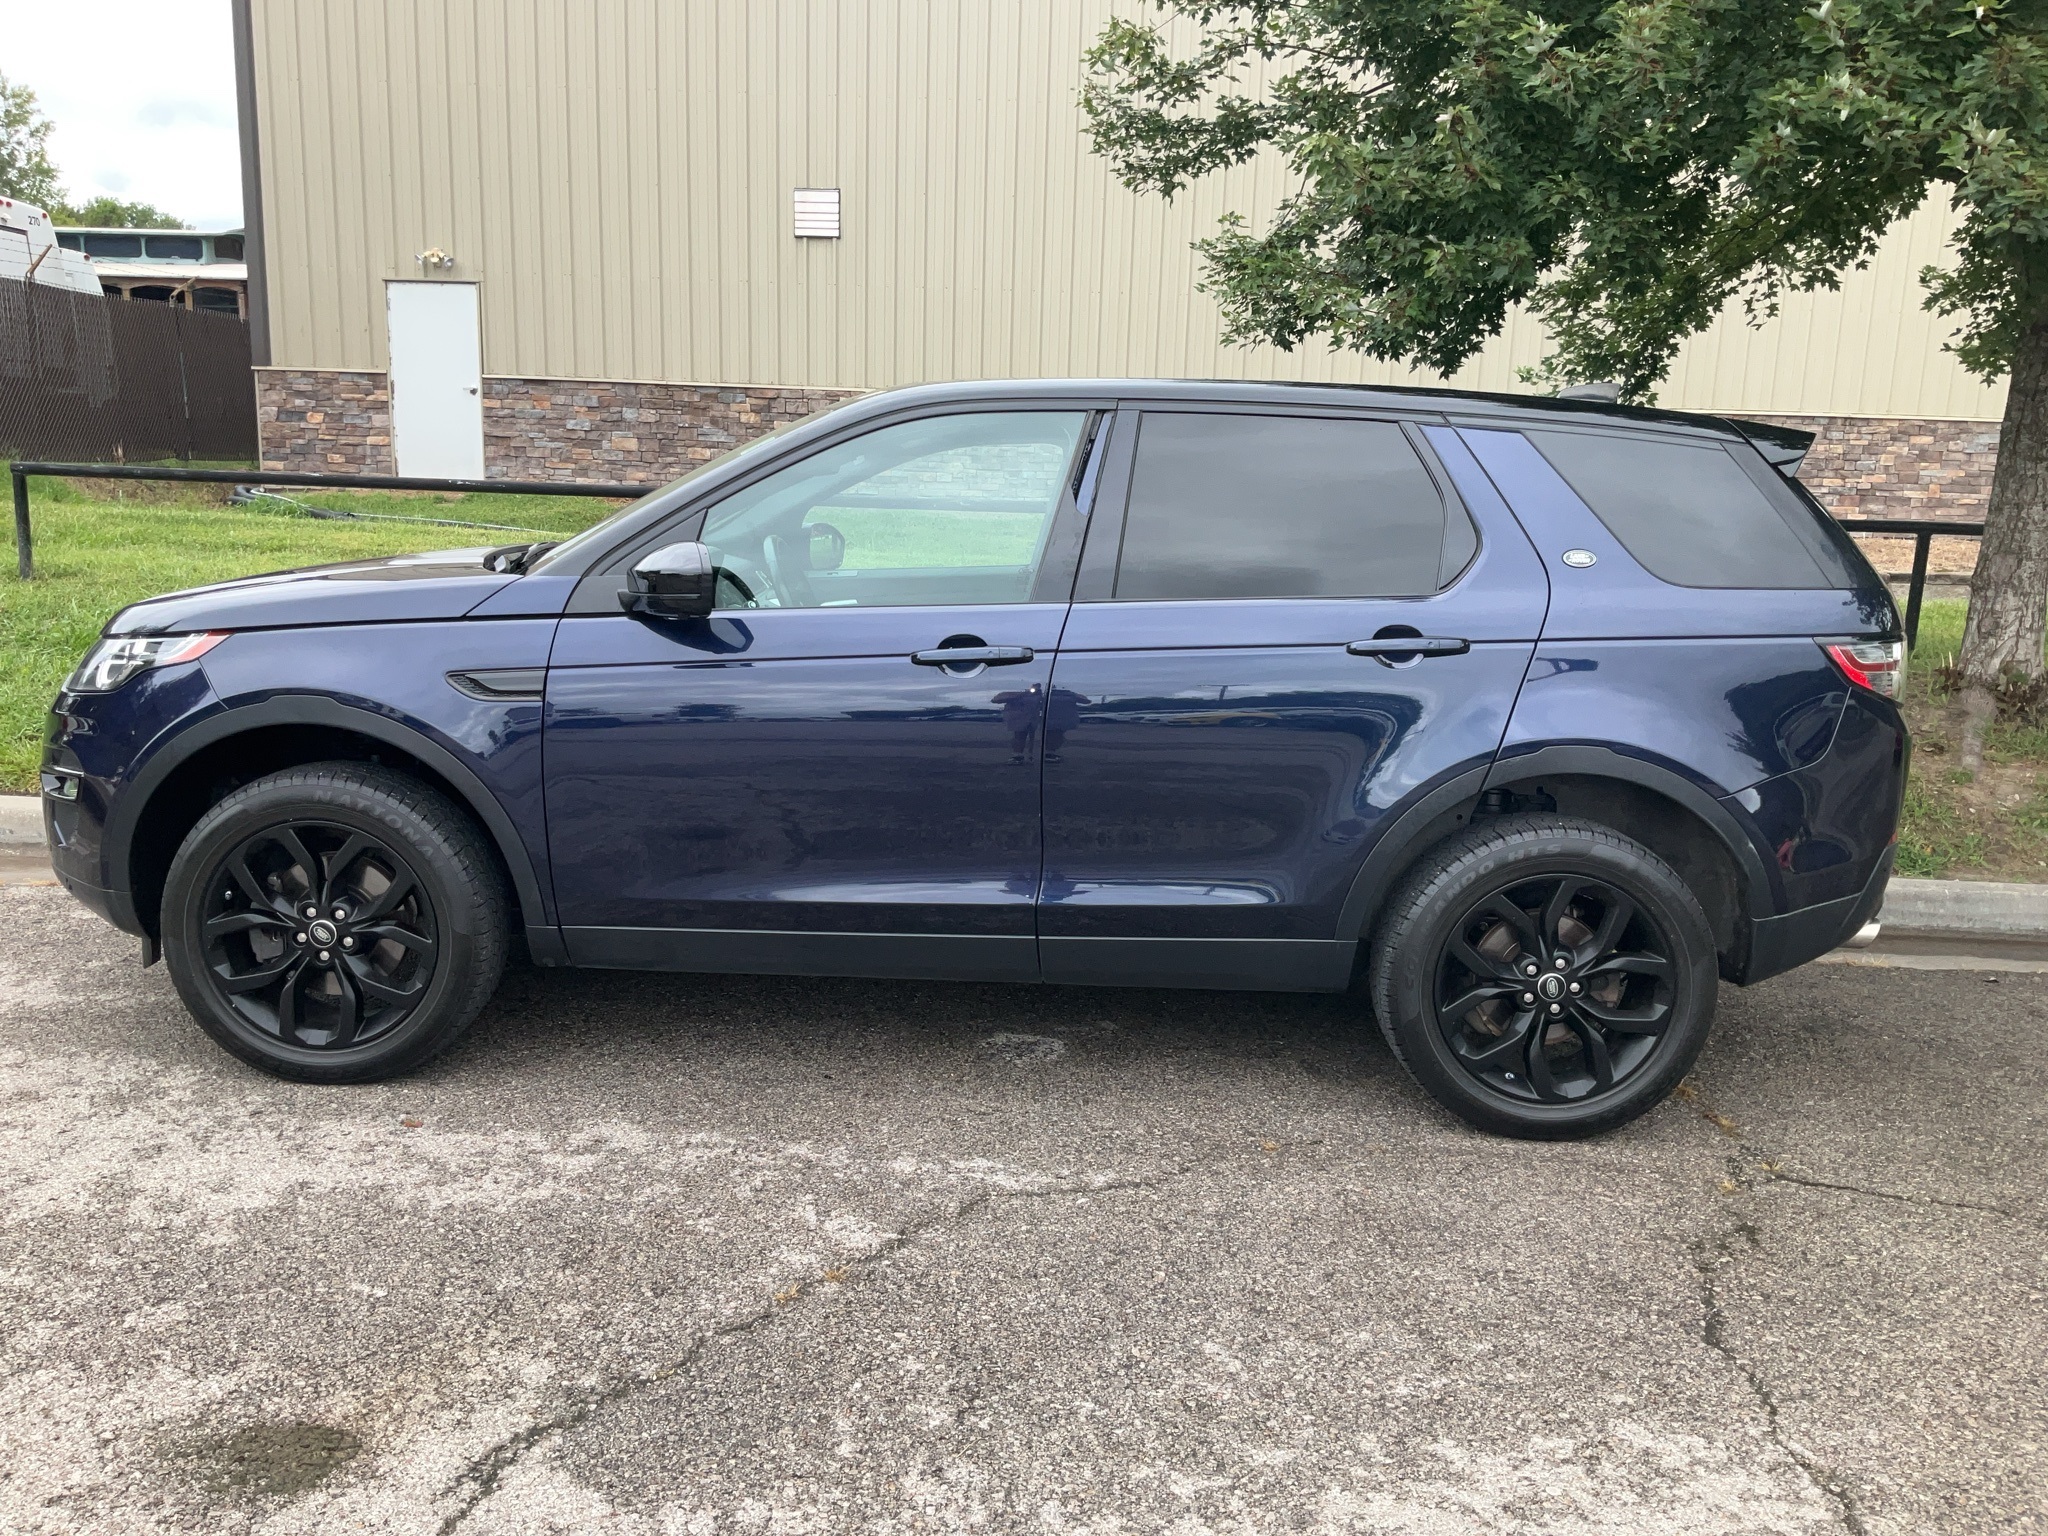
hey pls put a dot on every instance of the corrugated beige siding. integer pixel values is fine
(617, 175)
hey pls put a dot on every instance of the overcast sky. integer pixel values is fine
(142, 95)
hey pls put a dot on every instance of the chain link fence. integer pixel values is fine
(88, 377)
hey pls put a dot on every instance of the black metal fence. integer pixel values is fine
(83, 376)
(1923, 532)
(21, 470)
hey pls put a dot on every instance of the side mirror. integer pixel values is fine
(677, 581)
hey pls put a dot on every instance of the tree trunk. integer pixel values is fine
(2009, 592)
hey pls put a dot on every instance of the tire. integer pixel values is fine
(416, 950)
(1610, 1018)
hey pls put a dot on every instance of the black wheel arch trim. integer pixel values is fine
(320, 709)
(1760, 892)
(1397, 847)
(1437, 812)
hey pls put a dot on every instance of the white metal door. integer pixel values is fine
(437, 407)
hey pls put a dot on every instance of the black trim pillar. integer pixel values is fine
(252, 183)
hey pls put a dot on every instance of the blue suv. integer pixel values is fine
(1530, 720)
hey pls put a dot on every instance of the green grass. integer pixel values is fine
(1954, 824)
(95, 554)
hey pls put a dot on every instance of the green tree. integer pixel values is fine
(25, 170)
(111, 213)
(1625, 169)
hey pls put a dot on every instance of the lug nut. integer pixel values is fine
(1576, 988)
(348, 943)
(312, 911)
(1554, 1007)
(1560, 958)
(1529, 969)
(339, 915)
(325, 956)
(1527, 997)
(298, 938)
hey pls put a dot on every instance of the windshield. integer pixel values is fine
(598, 532)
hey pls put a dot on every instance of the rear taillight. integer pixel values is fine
(1879, 665)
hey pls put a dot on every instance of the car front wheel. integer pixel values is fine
(1543, 976)
(333, 923)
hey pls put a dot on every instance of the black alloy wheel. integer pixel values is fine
(336, 922)
(1554, 988)
(319, 934)
(1544, 976)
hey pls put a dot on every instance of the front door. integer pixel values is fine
(437, 408)
(1234, 721)
(805, 781)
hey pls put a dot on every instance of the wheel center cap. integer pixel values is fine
(324, 933)
(1552, 987)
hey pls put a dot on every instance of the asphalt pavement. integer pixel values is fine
(674, 1254)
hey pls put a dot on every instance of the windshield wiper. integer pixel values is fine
(515, 558)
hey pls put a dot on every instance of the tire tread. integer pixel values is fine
(456, 837)
(1414, 898)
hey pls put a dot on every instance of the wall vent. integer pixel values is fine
(817, 213)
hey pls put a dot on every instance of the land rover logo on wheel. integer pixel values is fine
(322, 933)
(1552, 987)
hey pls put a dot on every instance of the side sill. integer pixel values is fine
(1250, 965)
(776, 952)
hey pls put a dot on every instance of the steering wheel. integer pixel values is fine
(786, 573)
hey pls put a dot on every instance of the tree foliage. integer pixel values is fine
(25, 170)
(106, 212)
(1625, 168)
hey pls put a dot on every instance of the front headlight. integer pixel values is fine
(111, 663)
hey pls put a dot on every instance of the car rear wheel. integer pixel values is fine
(335, 923)
(1543, 976)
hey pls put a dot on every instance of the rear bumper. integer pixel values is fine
(1777, 944)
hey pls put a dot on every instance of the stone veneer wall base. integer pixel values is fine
(534, 429)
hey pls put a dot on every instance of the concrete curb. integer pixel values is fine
(1973, 908)
(21, 821)
(1978, 908)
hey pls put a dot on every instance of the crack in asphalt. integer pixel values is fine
(484, 1472)
(1773, 1174)
(1709, 1257)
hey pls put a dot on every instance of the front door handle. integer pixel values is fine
(1401, 647)
(975, 655)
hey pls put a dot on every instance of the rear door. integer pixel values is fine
(1233, 719)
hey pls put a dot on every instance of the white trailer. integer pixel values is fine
(29, 251)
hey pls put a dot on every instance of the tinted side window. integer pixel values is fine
(1278, 506)
(1686, 511)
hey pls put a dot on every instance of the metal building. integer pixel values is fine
(605, 237)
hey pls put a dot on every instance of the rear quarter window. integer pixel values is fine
(1689, 512)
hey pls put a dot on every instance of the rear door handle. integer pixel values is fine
(975, 655)
(1409, 645)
